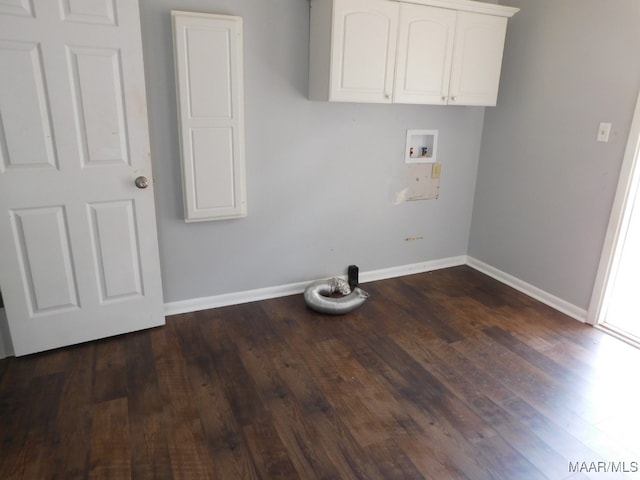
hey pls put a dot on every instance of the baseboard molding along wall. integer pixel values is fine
(196, 304)
(235, 298)
(530, 290)
(204, 303)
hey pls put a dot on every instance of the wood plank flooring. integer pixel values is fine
(442, 375)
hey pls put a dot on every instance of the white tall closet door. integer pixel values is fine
(425, 48)
(78, 242)
(363, 50)
(209, 77)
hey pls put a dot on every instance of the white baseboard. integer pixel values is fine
(413, 268)
(204, 303)
(528, 289)
(235, 298)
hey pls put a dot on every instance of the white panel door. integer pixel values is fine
(363, 50)
(477, 59)
(425, 48)
(210, 91)
(78, 242)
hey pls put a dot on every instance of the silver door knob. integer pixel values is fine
(142, 182)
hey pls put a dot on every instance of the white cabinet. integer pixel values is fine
(210, 93)
(425, 51)
(355, 52)
(477, 59)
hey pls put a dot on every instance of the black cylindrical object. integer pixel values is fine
(353, 276)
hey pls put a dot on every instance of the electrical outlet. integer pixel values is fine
(603, 132)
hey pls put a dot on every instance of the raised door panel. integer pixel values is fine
(213, 181)
(24, 143)
(99, 105)
(477, 59)
(363, 50)
(101, 12)
(425, 47)
(208, 59)
(116, 249)
(19, 8)
(44, 255)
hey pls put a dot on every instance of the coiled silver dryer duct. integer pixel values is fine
(317, 296)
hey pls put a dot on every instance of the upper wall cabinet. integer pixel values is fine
(353, 57)
(477, 59)
(426, 51)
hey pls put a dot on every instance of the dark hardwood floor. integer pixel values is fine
(448, 374)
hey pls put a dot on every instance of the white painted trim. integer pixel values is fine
(412, 269)
(235, 298)
(619, 334)
(528, 289)
(469, 6)
(626, 191)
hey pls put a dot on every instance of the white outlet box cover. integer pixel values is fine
(604, 129)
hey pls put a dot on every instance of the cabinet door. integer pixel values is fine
(363, 50)
(477, 59)
(425, 48)
(210, 93)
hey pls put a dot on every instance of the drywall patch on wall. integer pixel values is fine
(424, 181)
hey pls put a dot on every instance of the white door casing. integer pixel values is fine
(78, 242)
(619, 223)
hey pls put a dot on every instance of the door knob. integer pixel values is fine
(142, 182)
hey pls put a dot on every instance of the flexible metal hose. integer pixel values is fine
(317, 296)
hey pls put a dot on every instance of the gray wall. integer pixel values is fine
(322, 178)
(545, 187)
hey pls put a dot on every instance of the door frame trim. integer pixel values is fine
(627, 189)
